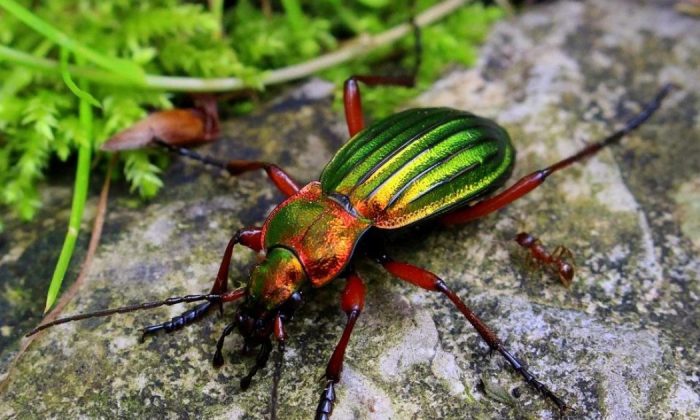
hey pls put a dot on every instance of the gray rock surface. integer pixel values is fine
(622, 342)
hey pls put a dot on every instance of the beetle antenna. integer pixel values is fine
(214, 298)
(192, 155)
(632, 124)
(640, 118)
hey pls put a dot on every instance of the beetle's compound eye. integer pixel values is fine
(295, 300)
(293, 303)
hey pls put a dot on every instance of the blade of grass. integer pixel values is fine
(125, 68)
(97, 226)
(71, 84)
(82, 178)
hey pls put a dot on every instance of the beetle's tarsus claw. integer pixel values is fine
(218, 360)
(245, 382)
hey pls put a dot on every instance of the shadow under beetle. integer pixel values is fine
(406, 168)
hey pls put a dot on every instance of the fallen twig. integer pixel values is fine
(357, 47)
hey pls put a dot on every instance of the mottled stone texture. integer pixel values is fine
(622, 342)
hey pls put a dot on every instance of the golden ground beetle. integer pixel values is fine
(419, 164)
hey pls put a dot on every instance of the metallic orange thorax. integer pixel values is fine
(318, 229)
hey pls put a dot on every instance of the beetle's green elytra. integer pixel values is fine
(419, 163)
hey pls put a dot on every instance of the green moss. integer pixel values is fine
(38, 111)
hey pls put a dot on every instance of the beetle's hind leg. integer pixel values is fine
(429, 281)
(529, 182)
(251, 238)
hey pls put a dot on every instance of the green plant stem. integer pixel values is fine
(360, 46)
(115, 65)
(216, 7)
(82, 178)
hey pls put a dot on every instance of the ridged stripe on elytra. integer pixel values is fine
(347, 156)
(453, 171)
(414, 139)
(419, 202)
(413, 158)
(361, 147)
(388, 143)
(350, 148)
(448, 168)
(434, 166)
(377, 148)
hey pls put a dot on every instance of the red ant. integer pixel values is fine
(559, 261)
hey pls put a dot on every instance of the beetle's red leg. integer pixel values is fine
(281, 335)
(351, 89)
(250, 238)
(535, 179)
(353, 101)
(280, 178)
(352, 302)
(429, 281)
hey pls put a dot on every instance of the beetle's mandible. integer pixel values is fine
(419, 164)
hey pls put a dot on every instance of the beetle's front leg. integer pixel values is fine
(282, 180)
(429, 281)
(352, 302)
(250, 238)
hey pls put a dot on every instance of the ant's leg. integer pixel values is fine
(279, 177)
(351, 90)
(250, 238)
(352, 302)
(429, 281)
(535, 179)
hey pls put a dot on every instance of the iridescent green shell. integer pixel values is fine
(419, 163)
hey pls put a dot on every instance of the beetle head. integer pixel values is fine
(274, 288)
